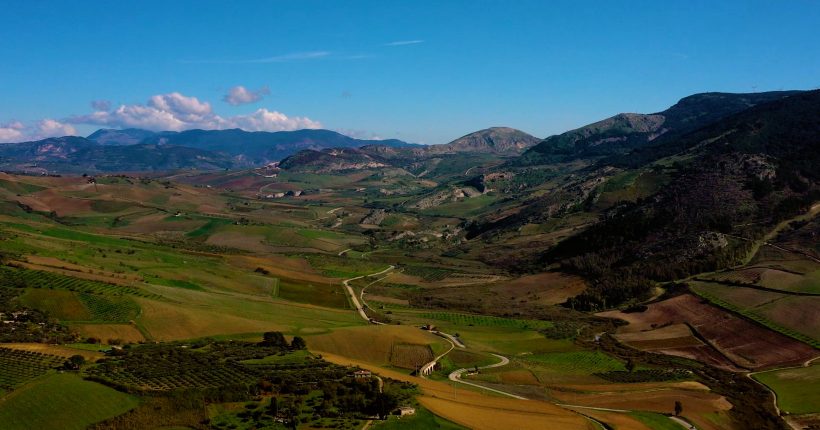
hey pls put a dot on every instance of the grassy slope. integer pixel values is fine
(422, 420)
(62, 401)
(796, 389)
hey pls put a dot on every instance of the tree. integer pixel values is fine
(298, 343)
(74, 362)
(678, 408)
(274, 338)
(274, 406)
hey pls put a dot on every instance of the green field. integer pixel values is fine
(655, 421)
(18, 367)
(330, 295)
(459, 359)
(90, 239)
(422, 420)
(20, 187)
(62, 401)
(796, 389)
(110, 308)
(459, 319)
(427, 273)
(468, 207)
(209, 227)
(574, 362)
(343, 267)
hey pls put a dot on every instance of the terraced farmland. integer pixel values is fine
(18, 367)
(410, 356)
(173, 368)
(429, 274)
(575, 362)
(485, 321)
(25, 278)
(110, 309)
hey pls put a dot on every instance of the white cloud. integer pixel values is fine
(52, 128)
(358, 134)
(404, 42)
(240, 95)
(265, 120)
(11, 132)
(296, 56)
(284, 58)
(19, 132)
(178, 112)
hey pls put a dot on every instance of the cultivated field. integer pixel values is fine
(741, 343)
(373, 344)
(62, 401)
(794, 316)
(796, 388)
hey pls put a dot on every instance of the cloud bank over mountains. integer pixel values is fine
(177, 112)
(16, 131)
(172, 111)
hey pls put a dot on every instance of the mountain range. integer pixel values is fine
(134, 150)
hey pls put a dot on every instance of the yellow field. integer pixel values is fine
(171, 321)
(480, 411)
(192, 314)
(104, 332)
(371, 344)
(699, 403)
(63, 305)
(60, 351)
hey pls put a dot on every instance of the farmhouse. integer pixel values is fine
(359, 374)
(405, 410)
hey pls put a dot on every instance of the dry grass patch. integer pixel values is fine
(280, 266)
(698, 404)
(125, 332)
(495, 416)
(545, 288)
(58, 350)
(60, 304)
(169, 321)
(672, 336)
(245, 242)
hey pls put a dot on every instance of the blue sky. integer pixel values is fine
(420, 71)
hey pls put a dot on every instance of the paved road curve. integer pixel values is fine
(355, 299)
(455, 376)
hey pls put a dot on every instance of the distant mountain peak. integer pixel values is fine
(624, 132)
(494, 140)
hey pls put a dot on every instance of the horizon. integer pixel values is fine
(422, 73)
(376, 138)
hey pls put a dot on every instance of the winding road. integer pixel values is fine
(356, 302)
(455, 376)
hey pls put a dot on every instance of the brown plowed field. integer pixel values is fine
(743, 342)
